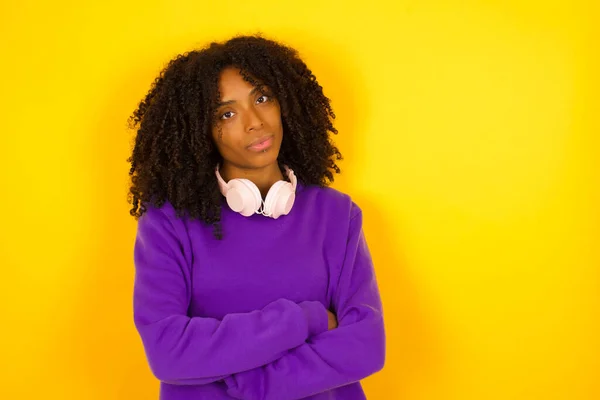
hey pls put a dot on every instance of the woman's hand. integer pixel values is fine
(332, 321)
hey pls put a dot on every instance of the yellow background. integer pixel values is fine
(470, 135)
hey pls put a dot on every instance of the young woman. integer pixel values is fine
(253, 278)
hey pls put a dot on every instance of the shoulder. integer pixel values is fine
(163, 217)
(153, 211)
(331, 201)
(163, 221)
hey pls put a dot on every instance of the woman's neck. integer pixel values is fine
(263, 178)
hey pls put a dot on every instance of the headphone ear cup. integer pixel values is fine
(243, 196)
(279, 200)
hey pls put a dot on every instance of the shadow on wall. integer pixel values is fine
(104, 351)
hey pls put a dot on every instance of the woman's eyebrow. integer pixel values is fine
(253, 91)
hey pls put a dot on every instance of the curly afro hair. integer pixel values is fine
(174, 156)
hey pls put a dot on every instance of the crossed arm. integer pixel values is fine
(283, 351)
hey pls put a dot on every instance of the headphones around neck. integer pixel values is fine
(244, 197)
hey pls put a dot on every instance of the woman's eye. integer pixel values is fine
(263, 96)
(224, 116)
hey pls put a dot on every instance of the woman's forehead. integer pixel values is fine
(233, 84)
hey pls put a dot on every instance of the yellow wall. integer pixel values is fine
(470, 130)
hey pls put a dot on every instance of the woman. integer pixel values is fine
(253, 278)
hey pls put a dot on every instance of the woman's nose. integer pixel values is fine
(253, 120)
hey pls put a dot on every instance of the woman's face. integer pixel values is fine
(248, 130)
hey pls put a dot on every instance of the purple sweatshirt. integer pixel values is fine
(246, 317)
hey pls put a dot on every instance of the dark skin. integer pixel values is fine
(248, 116)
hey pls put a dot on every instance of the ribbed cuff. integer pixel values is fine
(316, 316)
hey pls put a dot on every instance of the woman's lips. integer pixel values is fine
(262, 144)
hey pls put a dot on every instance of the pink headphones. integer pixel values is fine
(244, 197)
